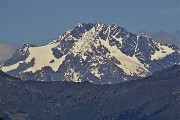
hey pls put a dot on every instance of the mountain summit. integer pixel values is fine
(99, 53)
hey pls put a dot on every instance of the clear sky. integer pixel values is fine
(40, 21)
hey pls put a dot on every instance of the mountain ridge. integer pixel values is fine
(97, 53)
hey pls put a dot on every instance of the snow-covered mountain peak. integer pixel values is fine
(97, 52)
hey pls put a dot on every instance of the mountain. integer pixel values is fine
(99, 53)
(166, 37)
(149, 98)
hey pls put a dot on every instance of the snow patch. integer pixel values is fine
(85, 43)
(11, 67)
(43, 55)
(163, 52)
(94, 70)
(130, 65)
(120, 40)
(72, 75)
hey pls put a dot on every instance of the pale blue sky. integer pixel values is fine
(40, 21)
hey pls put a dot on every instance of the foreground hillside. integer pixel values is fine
(154, 98)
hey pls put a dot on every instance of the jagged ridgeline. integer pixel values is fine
(98, 53)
